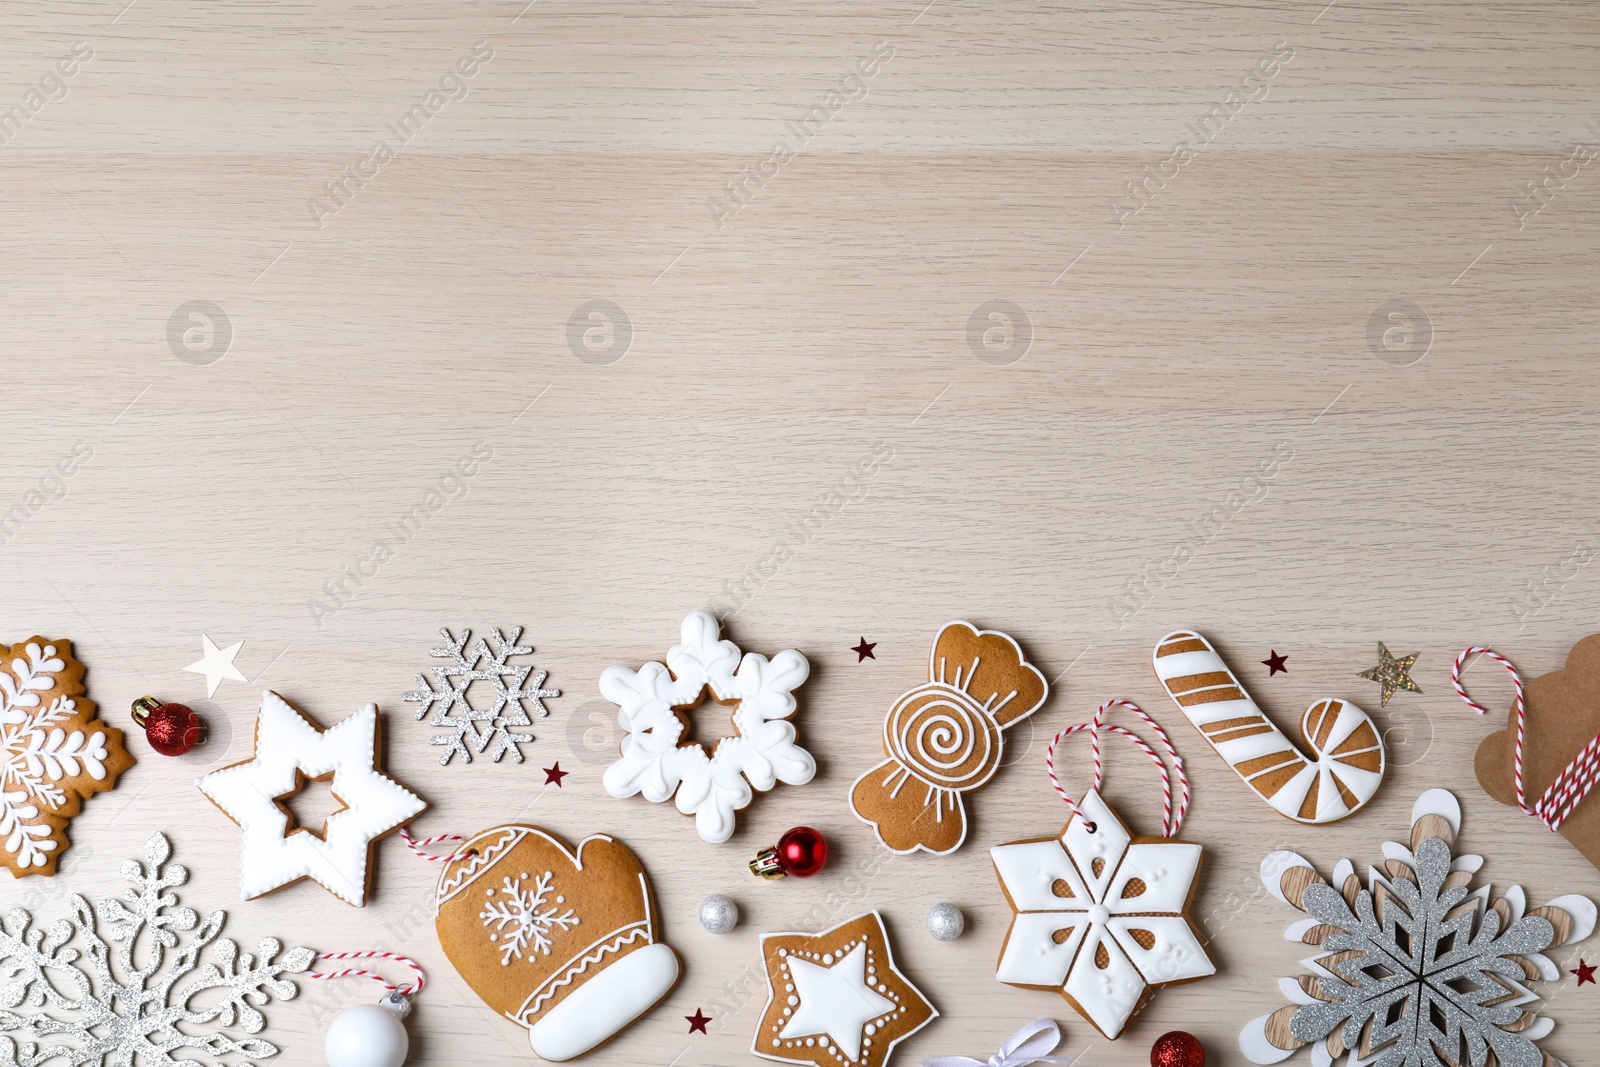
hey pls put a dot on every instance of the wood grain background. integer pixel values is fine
(1437, 488)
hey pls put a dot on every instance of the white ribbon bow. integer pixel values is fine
(1032, 1044)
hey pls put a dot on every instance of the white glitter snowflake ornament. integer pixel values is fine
(1414, 969)
(140, 999)
(473, 729)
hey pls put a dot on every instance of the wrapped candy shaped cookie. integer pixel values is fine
(945, 737)
(560, 941)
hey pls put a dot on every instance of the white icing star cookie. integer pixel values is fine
(836, 999)
(761, 754)
(290, 749)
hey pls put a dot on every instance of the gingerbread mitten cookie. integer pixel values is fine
(559, 941)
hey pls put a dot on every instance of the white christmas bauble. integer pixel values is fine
(945, 922)
(718, 914)
(367, 1035)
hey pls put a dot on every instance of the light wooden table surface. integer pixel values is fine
(1043, 466)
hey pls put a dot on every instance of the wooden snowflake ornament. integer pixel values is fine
(55, 752)
(1415, 969)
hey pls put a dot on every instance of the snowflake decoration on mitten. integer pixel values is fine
(517, 920)
(114, 1011)
(760, 754)
(1414, 970)
(472, 729)
(54, 752)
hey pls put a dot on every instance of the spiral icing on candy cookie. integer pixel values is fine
(945, 738)
(1349, 752)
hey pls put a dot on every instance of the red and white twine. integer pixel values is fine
(417, 847)
(1170, 821)
(355, 972)
(1571, 785)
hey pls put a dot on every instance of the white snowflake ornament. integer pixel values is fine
(472, 729)
(1101, 915)
(1414, 969)
(141, 999)
(760, 754)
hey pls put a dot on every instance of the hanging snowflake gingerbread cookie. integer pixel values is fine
(56, 752)
(1102, 916)
(761, 753)
(1415, 969)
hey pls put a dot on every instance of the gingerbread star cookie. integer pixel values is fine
(291, 749)
(836, 999)
(54, 752)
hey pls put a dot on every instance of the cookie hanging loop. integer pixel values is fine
(1571, 785)
(417, 847)
(1170, 820)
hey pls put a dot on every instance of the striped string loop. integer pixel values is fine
(417, 847)
(1170, 820)
(355, 972)
(1571, 785)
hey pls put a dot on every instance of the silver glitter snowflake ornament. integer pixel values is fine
(142, 998)
(473, 729)
(1415, 969)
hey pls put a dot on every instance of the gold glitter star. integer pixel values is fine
(1392, 673)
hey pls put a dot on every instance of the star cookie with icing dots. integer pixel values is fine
(291, 749)
(836, 999)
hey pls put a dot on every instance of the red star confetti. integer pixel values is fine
(1585, 973)
(553, 775)
(1275, 664)
(697, 1021)
(864, 650)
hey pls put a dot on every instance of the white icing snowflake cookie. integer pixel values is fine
(761, 754)
(290, 750)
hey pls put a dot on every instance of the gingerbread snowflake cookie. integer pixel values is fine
(563, 942)
(1101, 916)
(836, 999)
(290, 750)
(56, 752)
(760, 754)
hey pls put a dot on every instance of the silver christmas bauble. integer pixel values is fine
(368, 1035)
(945, 922)
(718, 914)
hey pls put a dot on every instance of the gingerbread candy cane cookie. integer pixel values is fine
(1349, 756)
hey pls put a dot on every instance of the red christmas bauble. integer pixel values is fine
(1177, 1049)
(174, 729)
(802, 852)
